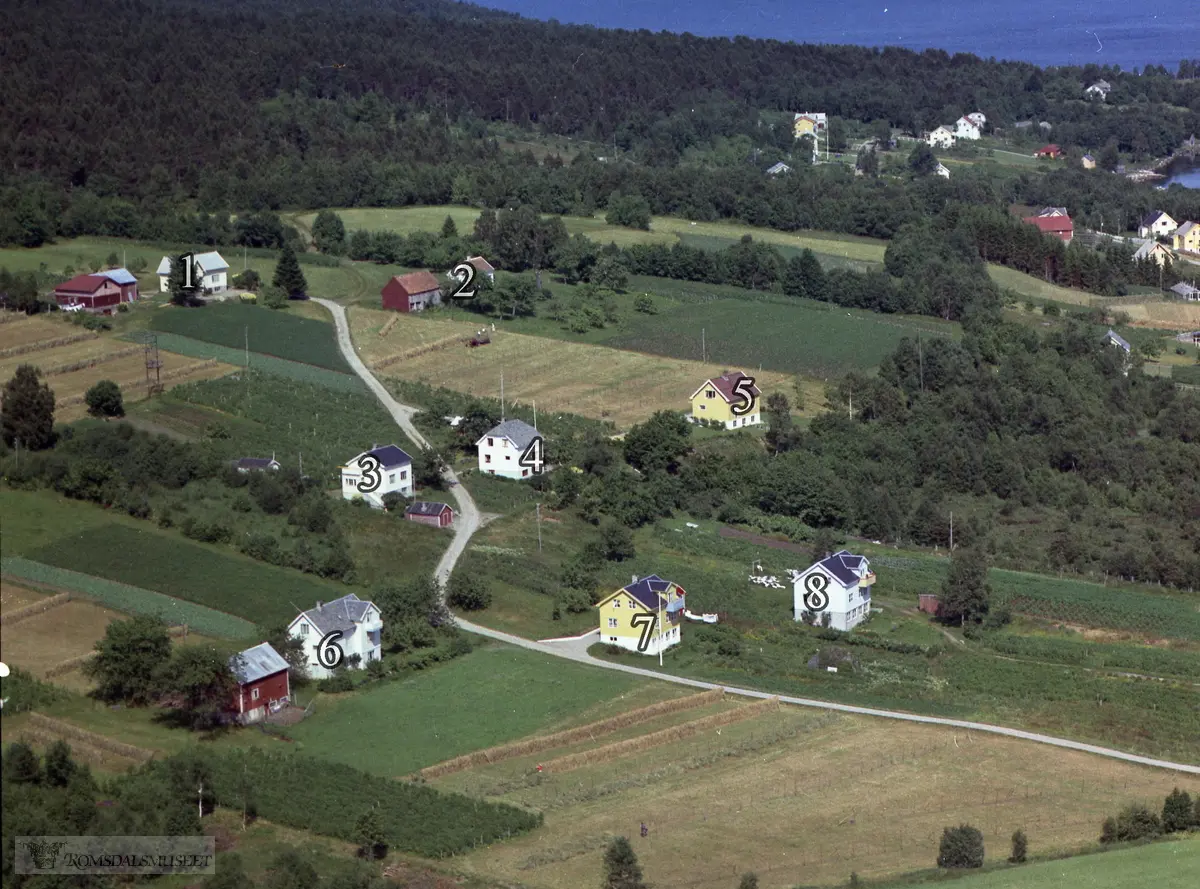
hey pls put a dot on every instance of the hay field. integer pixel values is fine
(1164, 315)
(104, 358)
(593, 381)
(805, 797)
(40, 642)
(15, 595)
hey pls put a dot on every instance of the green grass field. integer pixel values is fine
(1173, 865)
(493, 695)
(272, 333)
(292, 370)
(212, 576)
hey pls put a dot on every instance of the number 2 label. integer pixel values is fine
(464, 273)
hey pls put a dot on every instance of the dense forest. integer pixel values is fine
(366, 105)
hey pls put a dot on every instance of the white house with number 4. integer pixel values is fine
(347, 631)
(374, 473)
(511, 450)
(839, 585)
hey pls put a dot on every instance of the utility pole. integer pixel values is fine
(200, 800)
(501, 396)
(851, 404)
(535, 416)
(246, 330)
(539, 526)
(921, 360)
(703, 348)
(951, 532)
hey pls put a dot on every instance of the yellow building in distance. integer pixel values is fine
(644, 616)
(1187, 237)
(716, 399)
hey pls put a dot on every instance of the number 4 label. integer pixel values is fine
(533, 458)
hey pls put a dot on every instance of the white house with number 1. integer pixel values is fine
(844, 580)
(502, 448)
(374, 473)
(360, 624)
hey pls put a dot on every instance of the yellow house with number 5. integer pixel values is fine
(644, 616)
(718, 397)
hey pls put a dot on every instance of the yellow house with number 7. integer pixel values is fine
(718, 397)
(644, 616)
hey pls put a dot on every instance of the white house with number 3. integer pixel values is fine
(334, 633)
(374, 473)
(511, 450)
(839, 585)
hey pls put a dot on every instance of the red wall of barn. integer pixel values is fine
(394, 296)
(434, 521)
(271, 688)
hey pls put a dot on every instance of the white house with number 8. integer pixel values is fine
(374, 473)
(514, 449)
(838, 586)
(359, 624)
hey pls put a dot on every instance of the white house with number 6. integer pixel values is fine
(511, 450)
(839, 585)
(359, 624)
(374, 473)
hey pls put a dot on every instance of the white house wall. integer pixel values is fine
(658, 643)
(501, 459)
(358, 642)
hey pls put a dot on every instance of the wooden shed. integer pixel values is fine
(930, 603)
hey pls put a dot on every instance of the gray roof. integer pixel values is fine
(843, 566)
(211, 262)
(341, 614)
(1183, 288)
(426, 507)
(256, 663)
(164, 266)
(518, 432)
(118, 276)
(1152, 218)
(389, 456)
(1116, 338)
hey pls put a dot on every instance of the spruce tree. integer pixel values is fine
(1177, 813)
(621, 868)
(1020, 846)
(449, 228)
(288, 276)
(27, 414)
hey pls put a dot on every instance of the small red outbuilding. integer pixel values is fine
(412, 292)
(439, 515)
(263, 686)
(92, 293)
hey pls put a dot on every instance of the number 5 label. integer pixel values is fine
(745, 391)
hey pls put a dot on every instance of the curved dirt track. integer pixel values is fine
(467, 524)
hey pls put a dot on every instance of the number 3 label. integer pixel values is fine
(371, 477)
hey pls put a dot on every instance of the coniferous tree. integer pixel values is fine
(1020, 847)
(748, 881)
(449, 228)
(1177, 813)
(27, 414)
(288, 276)
(621, 868)
(961, 846)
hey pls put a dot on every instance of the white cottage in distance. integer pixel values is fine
(360, 623)
(965, 128)
(393, 474)
(942, 137)
(848, 580)
(501, 447)
(212, 272)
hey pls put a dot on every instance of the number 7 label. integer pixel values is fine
(646, 620)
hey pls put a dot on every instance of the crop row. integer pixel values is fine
(1133, 658)
(133, 600)
(280, 367)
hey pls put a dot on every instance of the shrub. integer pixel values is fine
(1177, 813)
(1019, 847)
(960, 847)
(104, 399)
(1135, 822)
(337, 683)
(468, 592)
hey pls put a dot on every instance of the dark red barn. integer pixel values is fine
(263, 687)
(930, 604)
(92, 293)
(412, 292)
(438, 515)
(1059, 226)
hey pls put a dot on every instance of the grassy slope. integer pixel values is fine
(493, 695)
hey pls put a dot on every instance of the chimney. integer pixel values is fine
(634, 579)
(318, 605)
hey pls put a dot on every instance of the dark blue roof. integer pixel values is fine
(389, 456)
(647, 590)
(843, 566)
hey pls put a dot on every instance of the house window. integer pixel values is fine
(616, 603)
(303, 629)
(403, 474)
(710, 394)
(491, 442)
(507, 457)
(703, 407)
(524, 472)
(612, 623)
(487, 458)
(392, 477)
(254, 695)
(612, 638)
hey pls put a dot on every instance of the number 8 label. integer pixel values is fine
(815, 597)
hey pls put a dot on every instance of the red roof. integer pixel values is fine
(1052, 225)
(417, 282)
(82, 284)
(726, 383)
(1050, 149)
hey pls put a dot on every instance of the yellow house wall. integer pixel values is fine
(1190, 241)
(622, 609)
(803, 127)
(716, 408)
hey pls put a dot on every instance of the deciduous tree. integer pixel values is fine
(104, 400)
(128, 660)
(966, 592)
(961, 847)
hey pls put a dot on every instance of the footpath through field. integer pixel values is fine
(576, 650)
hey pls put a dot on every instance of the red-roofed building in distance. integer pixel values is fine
(1059, 226)
(412, 292)
(482, 266)
(90, 293)
(716, 399)
(1051, 151)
